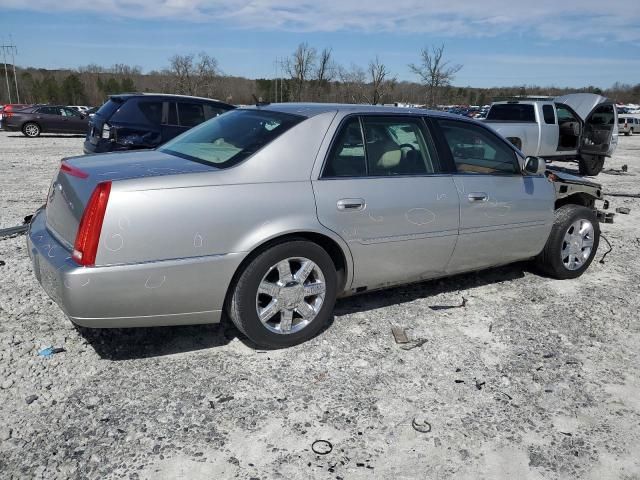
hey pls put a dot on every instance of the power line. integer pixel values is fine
(10, 50)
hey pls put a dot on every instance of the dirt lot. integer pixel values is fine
(534, 378)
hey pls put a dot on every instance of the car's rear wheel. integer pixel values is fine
(285, 295)
(591, 165)
(572, 244)
(31, 129)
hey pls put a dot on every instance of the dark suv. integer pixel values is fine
(146, 120)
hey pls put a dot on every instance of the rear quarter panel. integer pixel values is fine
(225, 211)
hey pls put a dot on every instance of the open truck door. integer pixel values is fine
(599, 136)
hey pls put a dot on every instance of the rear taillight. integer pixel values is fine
(106, 131)
(73, 171)
(86, 244)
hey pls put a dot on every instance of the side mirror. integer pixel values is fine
(535, 165)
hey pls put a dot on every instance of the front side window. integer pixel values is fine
(190, 114)
(476, 150)
(226, 140)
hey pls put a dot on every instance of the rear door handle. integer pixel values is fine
(477, 197)
(351, 204)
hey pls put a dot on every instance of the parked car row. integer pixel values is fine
(124, 122)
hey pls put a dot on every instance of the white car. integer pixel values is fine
(80, 108)
(628, 124)
(578, 126)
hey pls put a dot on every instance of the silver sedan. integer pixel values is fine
(269, 213)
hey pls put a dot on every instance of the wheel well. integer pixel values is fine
(577, 199)
(327, 243)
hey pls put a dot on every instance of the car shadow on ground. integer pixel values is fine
(135, 343)
(430, 288)
(51, 135)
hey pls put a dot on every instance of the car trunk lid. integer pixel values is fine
(78, 177)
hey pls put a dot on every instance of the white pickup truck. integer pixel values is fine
(578, 126)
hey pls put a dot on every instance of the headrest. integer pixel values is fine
(390, 159)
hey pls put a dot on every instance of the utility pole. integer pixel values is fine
(11, 50)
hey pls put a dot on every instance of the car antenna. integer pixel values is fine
(259, 103)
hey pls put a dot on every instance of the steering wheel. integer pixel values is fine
(407, 145)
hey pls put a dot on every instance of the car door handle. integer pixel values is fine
(351, 204)
(477, 197)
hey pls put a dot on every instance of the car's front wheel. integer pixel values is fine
(572, 244)
(590, 165)
(31, 129)
(285, 295)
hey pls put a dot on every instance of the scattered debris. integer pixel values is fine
(604, 217)
(506, 395)
(568, 434)
(49, 351)
(615, 171)
(27, 219)
(414, 344)
(8, 232)
(623, 210)
(400, 335)
(479, 384)
(448, 307)
(30, 399)
(420, 425)
(2, 263)
(622, 194)
(322, 447)
(459, 381)
(608, 251)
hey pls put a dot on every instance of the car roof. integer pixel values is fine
(312, 109)
(163, 95)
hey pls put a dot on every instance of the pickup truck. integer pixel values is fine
(578, 126)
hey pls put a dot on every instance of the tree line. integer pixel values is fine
(308, 74)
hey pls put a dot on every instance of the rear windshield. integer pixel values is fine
(139, 110)
(228, 139)
(512, 112)
(106, 110)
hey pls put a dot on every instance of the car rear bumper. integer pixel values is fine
(169, 292)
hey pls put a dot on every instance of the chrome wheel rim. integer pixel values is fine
(577, 244)
(31, 130)
(290, 295)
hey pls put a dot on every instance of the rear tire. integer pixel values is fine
(566, 242)
(280, 295)
(591, 165)
(31, 129)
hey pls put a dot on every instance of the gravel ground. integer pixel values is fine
(534, 378)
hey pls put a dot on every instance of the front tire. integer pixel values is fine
(591, 165)
(285, 295)
(572, 243)
(31, 130)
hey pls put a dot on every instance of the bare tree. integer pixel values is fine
(352, 83)
(191, 77)
(434, 72)
(325, 73)
(380, 82)
(300, 67)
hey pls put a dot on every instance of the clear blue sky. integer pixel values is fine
(498, 42)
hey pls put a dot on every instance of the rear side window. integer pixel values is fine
(396, 146)
(475, 150)
(190, 114)
(347, 154)
(512, 112)
(549, 115)
(49, 111)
